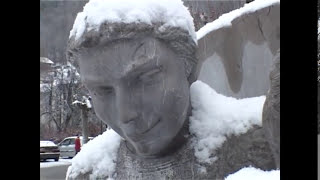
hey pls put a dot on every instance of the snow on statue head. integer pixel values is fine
(137, 64)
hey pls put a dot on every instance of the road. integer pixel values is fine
(51, 170)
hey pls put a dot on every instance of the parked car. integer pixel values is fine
(67, 146)
(49, 150)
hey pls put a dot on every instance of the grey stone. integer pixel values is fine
(249, 149)
(139, 83)
(271, 111)
(236, 60)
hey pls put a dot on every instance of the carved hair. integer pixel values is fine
(177, 39)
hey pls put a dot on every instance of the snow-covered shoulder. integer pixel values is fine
(226, 19)
(98, 157)
(167, 12)
(251, 173)
(215, 117)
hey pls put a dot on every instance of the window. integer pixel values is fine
(66, 142)
(71, 141)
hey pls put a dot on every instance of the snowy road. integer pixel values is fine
(51, 170)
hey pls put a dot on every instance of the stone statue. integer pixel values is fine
(139, 77)
(271, 111)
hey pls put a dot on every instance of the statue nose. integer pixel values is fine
(125, 106)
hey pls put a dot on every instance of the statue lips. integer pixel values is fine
(130, 129)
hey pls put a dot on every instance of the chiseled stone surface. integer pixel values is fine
(271, 110)
(249, 149)
(245, 50)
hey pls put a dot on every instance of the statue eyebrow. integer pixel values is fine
(136, 70)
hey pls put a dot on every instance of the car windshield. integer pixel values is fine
(47, 143)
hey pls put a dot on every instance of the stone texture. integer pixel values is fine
(249, 149)
(208, 11)
(236, 61)
(271, 111)
(260, 28)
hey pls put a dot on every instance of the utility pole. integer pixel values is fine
(84, 118)
(84, 106)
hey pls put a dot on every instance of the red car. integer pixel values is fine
(49, 150)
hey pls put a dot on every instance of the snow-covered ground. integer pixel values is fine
(251, 173)
(50, 163)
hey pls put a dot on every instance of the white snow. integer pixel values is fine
(214, 117)
(226, 19)
(168, 12)
(250, 173)
(98, 156)
(47, 143)
(51, 163)
(86, 102)
(45, 87)
(45, 60)
(78, 102)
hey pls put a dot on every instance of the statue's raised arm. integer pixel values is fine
(233, 38)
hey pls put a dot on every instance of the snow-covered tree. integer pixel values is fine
(58, 90)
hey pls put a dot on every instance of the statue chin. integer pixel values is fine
(154, 144)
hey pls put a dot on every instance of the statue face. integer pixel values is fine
(140, 89)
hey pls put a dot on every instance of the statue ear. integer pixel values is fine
(228, 42)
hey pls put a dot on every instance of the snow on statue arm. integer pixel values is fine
(257, 23)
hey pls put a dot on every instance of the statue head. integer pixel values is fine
(138, 76)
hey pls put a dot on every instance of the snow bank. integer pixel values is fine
(167, 12)
(250, 173)
(226, 19)
(98, 156)
(214, 117)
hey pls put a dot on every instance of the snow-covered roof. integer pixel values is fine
(45, 60)
(226, 19)
(251, 173)
(167, 12)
